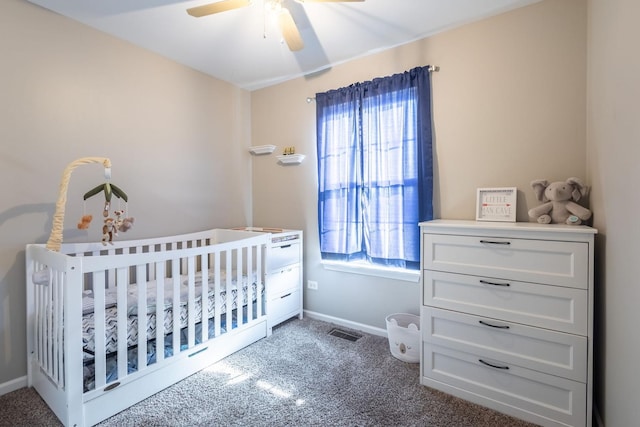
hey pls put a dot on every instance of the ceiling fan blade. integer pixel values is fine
(289, 30)
(217, 7)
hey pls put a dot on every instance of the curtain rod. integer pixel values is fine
(430, 68)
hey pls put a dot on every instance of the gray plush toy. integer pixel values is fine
(559, 199)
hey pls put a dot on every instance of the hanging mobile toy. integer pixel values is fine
(109, 190)
(111, 226)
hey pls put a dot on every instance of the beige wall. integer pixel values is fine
(177, 140)
(613, 154)
(509, 107)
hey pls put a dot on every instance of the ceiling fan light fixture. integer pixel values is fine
(273, 6)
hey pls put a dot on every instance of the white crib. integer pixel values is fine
(95, 341)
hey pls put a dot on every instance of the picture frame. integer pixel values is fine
(496, 204)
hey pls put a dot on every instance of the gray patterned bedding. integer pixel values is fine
(111, 311)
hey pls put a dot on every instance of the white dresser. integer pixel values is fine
(284, 276)
(507, 317)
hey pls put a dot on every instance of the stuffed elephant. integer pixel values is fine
(559, 199)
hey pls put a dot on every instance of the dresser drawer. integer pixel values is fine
(551, 307)
(545, 399)
(283, 255)
(552, 262)
(539, 349)
(284, 306)
(283, 280)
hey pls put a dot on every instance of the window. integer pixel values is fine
(375, 172)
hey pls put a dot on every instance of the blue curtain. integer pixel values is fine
(375, 171)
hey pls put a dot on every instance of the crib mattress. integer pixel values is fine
(111, 310)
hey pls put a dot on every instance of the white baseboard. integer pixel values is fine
(13, 385)
(347, 323)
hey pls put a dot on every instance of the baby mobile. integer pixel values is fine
(112, 224)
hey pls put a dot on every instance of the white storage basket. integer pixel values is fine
(403, 331)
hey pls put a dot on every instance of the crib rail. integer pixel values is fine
(140, 290)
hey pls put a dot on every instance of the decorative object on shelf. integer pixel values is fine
(289, 150)
(262, 149)
(496, 204)
(559, 199)
(290, 159)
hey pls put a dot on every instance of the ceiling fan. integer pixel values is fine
(288, 27)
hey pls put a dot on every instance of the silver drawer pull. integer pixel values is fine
(482, 322)
(492, 365)
(493, 242)
(485, 282)
(284, 296)
(285, 246)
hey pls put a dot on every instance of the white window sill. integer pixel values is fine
(371, 270)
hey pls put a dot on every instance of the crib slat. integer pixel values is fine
(99, 328)
(217, 306)
(141, 280)
(240, 286)
(111, 273)
(204, 268)
(39, 324)
(49, 349)
(37, 310)
(228, 280)
(175, 274)
(191, 304)
(58, 350)
(122, 281)
(160, 279)
(44, 304)
(259, 251)
(49, 332)
(62, 286)
(54, 333)
(151, 272)
(183, 266)
(249, 253)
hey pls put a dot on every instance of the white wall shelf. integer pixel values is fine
(291, 159)
(262, 149)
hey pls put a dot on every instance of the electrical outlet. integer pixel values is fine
(312, 284)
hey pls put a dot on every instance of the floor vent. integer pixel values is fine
(351, 336)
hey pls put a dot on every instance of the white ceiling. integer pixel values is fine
(244, 47)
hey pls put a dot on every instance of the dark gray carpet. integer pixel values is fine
(300, 376)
